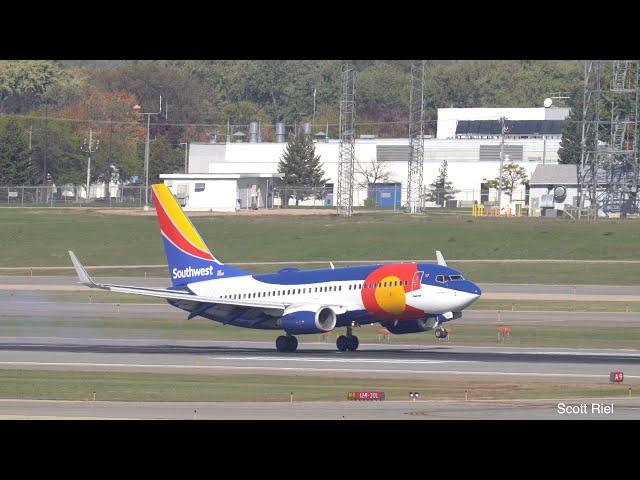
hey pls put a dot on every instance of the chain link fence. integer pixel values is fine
(378, 197)
(386, 197)
(73, 196)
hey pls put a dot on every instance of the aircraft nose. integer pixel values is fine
(475, 289)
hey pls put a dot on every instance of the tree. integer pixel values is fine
(164, 158)
(27, 78)
(570, 151)
(371, 173)
(65, 161)
(301, 168)
(16, 166)
(513, 175)
(441, 189)
(120, 143)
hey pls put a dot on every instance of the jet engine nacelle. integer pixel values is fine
(302, 319)
(416, 326)
(410, 326)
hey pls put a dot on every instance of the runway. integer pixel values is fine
(622, 408)
(371, 360)
(40, 305)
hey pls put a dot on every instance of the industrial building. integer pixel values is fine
(240, 174)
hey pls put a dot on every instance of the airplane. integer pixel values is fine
(403, 297)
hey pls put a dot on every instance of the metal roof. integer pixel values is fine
(555, 174)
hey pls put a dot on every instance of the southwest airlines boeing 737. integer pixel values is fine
(403, 297)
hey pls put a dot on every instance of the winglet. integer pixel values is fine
(440, 258)
(332, 267)
(83, 276)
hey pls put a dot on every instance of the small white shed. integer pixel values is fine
(551, 187)
(221, 192)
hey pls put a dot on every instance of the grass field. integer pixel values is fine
(115, 386)
(42, 238)
(201, 329)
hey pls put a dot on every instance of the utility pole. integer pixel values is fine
(502, 132)
(89, 148)
(146, 151)
(313, 121)
(186, 155)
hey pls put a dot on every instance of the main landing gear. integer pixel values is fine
(287, 343)
(349, 342)
(441, 332)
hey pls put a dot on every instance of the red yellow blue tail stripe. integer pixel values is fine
(175, 226)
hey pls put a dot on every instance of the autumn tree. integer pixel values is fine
(120, 130)
(513, 175)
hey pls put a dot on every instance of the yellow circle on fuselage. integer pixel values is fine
(391, 299)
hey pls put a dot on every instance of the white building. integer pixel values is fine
(551, 188)
(468, 139)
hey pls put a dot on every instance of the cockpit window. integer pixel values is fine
(448, 278)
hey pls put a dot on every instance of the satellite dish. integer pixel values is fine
(547, 102)
(560, 193)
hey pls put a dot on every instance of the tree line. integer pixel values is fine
(35, 95)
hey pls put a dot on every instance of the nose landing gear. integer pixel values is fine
(349, 342)
(287, 343)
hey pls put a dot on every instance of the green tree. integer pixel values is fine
(301, 168)
(570, 151)
(27, 78)
(441, 189)
(513, 175)
(60, 143)
(164, 158)
(16, 166)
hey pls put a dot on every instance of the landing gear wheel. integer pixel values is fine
(282, 343)
(441, 333)
(286, 343)
(342, 343)
(352, 343)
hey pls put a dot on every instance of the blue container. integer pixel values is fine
(386, 195)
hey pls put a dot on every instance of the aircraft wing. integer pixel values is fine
(85, 279)
(275, 307)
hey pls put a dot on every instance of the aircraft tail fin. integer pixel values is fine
(188, 257)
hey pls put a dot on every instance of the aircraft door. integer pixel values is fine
(416, 283)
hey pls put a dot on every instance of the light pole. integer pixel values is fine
(137, 109)
(186, 155)
(89, 148)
